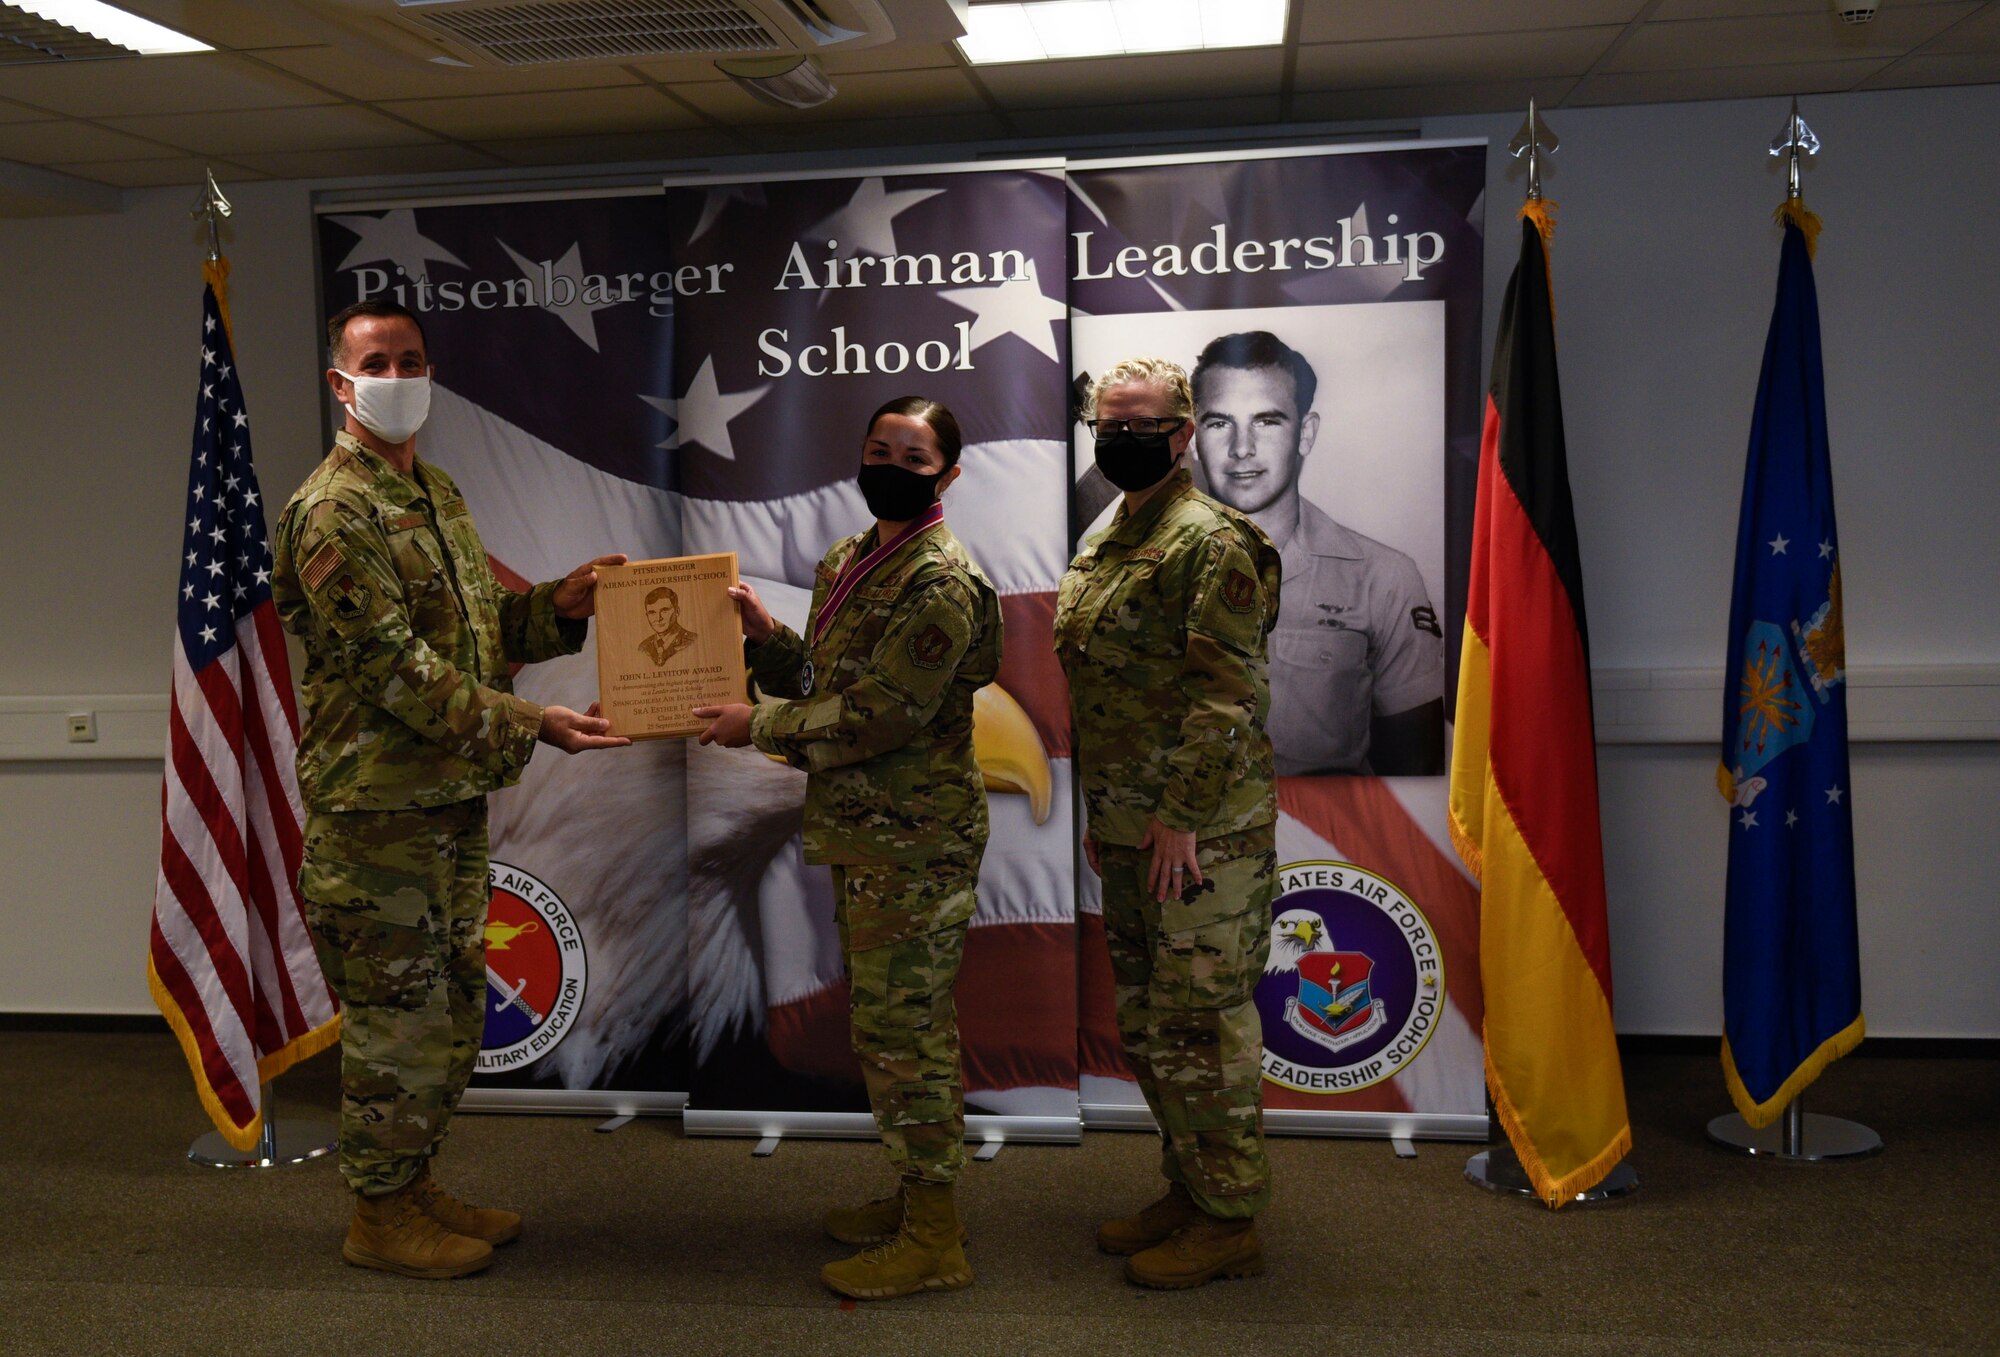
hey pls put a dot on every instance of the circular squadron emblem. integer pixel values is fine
(1355, 982)
(535, 971)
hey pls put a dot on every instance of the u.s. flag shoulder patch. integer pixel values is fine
(321, 566)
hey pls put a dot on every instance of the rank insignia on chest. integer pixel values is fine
(350, 600)
(1239, 592)
(929, 647)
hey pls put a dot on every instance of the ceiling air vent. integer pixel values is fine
(510, 34)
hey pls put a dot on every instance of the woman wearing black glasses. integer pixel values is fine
(1160, 626)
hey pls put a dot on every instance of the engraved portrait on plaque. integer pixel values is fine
(668, 640)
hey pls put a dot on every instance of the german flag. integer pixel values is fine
(1524, 772)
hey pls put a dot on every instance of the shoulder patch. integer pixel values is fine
(929, 647)
(321, 567)
(1239, 592)
(350, 600)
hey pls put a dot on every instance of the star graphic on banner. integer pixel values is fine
(717, 199)
(1826, 550)
(864, 225)
(704, 412)
(1791, 818)
(1016, 307)
(579, 315)
(1778, 544)
(394, 236)
(667, 406)
(1749, 820)
(1833, 795)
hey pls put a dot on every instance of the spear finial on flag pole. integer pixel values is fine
(1795, 139)
(1532, 142)
(214, 209)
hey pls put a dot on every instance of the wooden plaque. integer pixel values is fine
(669, 639)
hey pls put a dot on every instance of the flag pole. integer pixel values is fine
(286, 1142)
(1499, 1168)
(1796, 1136)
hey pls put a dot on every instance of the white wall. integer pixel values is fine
(1664, 269)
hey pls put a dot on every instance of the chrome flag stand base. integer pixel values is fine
(1499, 1170)
(282, 1142)
(1798, 1136)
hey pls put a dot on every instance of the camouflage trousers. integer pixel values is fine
(397, 904)
(902, 932)
(1186, 974)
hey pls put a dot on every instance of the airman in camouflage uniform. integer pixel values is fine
(1160, 625)
(878, 713)
(409, 721)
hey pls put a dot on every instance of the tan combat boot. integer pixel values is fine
(1154, 1224)
(1199, 1253)
(392, 1233)
(875, 1223)
(925, 1255)
(486, 1223)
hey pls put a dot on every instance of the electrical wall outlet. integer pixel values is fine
(83, 727)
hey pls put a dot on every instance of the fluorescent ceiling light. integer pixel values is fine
(113, 25)
(1049, 30)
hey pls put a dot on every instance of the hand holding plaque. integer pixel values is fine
(668, 640)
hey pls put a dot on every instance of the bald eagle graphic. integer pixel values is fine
(1296, 933)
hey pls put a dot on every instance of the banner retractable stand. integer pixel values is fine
(1326, 304)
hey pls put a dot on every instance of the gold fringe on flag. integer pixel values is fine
(216, 272)
(1794, 212)
(1542, 213)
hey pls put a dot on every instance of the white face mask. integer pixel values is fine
(391, 408)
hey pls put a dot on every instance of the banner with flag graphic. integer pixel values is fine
(1327, 308)
(803, 305)
(1524, 772)
(231, 964)
(1791, 972)
(549, 324)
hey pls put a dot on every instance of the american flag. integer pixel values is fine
(231, 962)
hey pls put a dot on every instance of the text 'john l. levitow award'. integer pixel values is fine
(668, 640)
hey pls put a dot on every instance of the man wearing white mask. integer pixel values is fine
(409, 721)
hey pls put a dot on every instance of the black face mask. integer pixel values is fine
(896, 494)
(1133, 461)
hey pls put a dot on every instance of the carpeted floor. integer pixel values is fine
(645, 1242)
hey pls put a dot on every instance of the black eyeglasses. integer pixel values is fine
(1143, 426)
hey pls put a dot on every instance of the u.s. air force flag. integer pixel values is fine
(1791, 958)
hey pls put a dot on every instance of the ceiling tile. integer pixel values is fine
(1094, 80)
(11, 112)
(362, 77)
(1782, 39)
(888, 57)
(491, 117)
(63, 140)
(1980, 33)
(836, 136)
(624, 148)
(360, 162)
(924, 93)
(156, 173)
(1368, 20)
(1966, 68)
(1744, 9)
(1468, 58)
(1140, 117)
(276, 129)
(1728, 82)
(1425, 101)
(233, 23)
(200, 82)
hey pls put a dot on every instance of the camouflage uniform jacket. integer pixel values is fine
(1161, 623)
(880, 710)
(408, 639)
